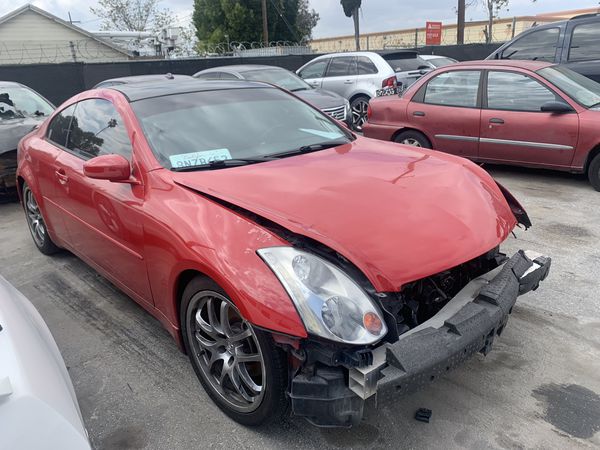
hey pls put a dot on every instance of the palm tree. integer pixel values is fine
(351, 8)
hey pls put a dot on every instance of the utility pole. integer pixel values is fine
(265, 24)
(460, 29)
(356, 28)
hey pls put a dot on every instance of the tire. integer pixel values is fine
(413, 138)
(36, 223)
(235, 393)
(594, 172)
(358, 109)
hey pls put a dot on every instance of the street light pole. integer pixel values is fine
(460, 30)
(265, 23)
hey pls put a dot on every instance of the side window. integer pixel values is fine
(366, 66)
(538, 45)
(58, 130)
(458, 88)
(516, 92)
(209, 76)
(584, 42)
(228, 76)
(315, 70)
(98, 129)
(342, 66)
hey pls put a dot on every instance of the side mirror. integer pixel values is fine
(108, 167)
(556, 107)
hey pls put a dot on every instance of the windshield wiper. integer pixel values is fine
(222, 163)
(309, 148)
(300, 89)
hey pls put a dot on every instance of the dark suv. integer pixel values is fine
(574, 43)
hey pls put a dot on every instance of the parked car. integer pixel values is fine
(263, 251)
(436, 61)
(140, 79)
(525, 113)
(574, 43)
(38, 406)
(357, 76)
(21, 110)
(329, 102)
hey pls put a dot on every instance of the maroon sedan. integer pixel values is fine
(525, 113)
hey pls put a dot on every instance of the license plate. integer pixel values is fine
(387, 91)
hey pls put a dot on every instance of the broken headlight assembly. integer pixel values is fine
(330, 303)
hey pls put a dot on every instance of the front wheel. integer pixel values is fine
(36, 223)
(594, 172)
(359, 107)
(239, 366)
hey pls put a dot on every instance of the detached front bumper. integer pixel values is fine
(466, 325)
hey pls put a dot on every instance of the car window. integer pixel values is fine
(516, 92)
(400, 63)
(98, 129)
(58, 129)
(279, 77)
(342, 66)
(582, 89)
(585, 42)
(314, 70)
(366, 66)
(17, 102)
(228, 76)
(208, 76)
(538, 45)
(458, 88)
(441, 62)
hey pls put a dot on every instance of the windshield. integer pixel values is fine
(198, 128)
(281, 78)
(583, 90)
(18, 102)
(441, 62)
(400, 63)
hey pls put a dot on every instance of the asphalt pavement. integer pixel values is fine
(538, 388)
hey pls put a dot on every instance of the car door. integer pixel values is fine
(513, 127)
(313, 72)
(341, 76)
(104, 219)
(447, 110)
(582, 51)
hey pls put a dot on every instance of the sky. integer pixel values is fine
(377, 15)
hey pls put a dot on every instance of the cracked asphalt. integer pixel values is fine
(538, 388)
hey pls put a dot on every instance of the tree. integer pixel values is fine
(129, 15)
(493, 8)
(219, 21)
(351, 8)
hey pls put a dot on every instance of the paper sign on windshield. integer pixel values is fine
(199, 158)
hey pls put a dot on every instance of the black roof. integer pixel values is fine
(141, 91)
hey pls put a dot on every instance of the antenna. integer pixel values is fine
(71, 21)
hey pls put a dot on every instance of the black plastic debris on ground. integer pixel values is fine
(423, 415)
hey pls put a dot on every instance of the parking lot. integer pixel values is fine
(539, 388)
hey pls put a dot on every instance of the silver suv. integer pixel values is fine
(357, 76)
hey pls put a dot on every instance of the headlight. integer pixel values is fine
(329, 302)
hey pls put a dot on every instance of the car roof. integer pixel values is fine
(241, 68)
(141, 91)
(514, 63)
(145, 78)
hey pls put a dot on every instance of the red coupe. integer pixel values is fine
(293, 261)
(525, 113)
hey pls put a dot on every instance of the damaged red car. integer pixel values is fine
(294, 262)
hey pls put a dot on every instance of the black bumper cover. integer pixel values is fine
(427, 352)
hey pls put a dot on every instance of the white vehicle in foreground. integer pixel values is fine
(38, 407)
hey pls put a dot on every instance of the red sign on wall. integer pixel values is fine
(433, 33)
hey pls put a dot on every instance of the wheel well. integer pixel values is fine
(355, 96)
(20, 183)
(182, 281)
(402, 130)
(591, 155)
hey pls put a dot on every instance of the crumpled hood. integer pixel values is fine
(13, 130)
(399, 214)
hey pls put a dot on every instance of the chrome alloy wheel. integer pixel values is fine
(359, 114)
(34, 219)
(226, 350)
(411, 141)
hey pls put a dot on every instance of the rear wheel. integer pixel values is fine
(36, 223)
(359, 107)
(594, 172)
(413, 138)
(239, 366)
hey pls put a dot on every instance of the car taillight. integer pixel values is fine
(369, 112)
(389, 82)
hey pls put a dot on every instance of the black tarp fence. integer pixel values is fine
(58, 82)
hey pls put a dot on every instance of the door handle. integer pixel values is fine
(419, 114)
(496, 120)
(62, 176)
(348, 82)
